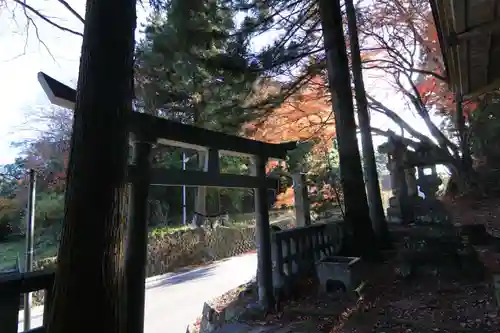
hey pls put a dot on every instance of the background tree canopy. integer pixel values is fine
(197, 63)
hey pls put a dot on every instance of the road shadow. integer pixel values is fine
(184, 277)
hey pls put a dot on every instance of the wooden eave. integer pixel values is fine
(469, 36)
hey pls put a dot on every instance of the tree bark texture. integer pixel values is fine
(88, 285)
(356, 207)
(468, 179)
(377, 214)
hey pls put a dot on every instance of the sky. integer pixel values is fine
(22, 56)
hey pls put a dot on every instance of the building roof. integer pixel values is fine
(469, 35)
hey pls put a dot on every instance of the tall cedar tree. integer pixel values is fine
(89, 264)
(373, 188)
(399, 46)
(297, 58)
(351, 175)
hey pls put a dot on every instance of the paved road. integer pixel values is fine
(175, 300)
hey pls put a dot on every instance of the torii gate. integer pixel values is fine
(148, 130)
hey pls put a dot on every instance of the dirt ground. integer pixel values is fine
(388, 303)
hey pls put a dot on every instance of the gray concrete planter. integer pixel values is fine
(338, 272)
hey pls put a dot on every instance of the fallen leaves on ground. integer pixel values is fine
(425, 304)
(231, 296)
(390, 305)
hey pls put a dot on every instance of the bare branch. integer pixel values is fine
(402, 50)
(422, 110)
(389, 133)
(379, 107)
(71, 10)
(403, 68)
(45, 18)
(30, 21)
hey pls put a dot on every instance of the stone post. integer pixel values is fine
(393, 176)
(400, 209)
(411, 181)
(301, 197)
(404, 202)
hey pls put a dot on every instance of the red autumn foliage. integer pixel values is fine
(306, 115)
(433, 90)
(404, 38)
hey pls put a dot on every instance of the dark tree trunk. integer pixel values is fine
(469, 179)
(88, 284)
(465, 180)
(377, 214)
(356, 206)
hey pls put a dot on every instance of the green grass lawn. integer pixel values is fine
(45, 246)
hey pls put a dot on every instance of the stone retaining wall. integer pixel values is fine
(168, 252)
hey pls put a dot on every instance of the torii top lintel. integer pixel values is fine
(174, 133)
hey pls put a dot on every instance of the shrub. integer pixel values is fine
(49, 208)
(5, 228)
(10, 215)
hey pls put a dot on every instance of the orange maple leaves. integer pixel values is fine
(306, 115)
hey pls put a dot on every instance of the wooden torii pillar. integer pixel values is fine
(148, 130)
